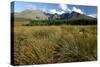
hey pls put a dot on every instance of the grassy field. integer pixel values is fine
(54, 44)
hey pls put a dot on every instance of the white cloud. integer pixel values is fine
(93, 15)
(77, 10)
(31, 7)
(53, 11)
(64, 7)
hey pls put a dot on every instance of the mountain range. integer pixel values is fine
(40, 15)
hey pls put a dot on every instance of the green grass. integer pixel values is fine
(54, 44)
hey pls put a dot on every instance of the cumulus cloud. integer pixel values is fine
(77, 10)
(93, 15)
(53, 11)
(64, 7)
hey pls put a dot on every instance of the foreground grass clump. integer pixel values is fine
(54, 44)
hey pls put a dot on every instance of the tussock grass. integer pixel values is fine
(54, 44)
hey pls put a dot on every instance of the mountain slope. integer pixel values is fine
(75, 15)
(31, 14)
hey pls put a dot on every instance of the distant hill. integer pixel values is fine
(75, 15)
(31, 14)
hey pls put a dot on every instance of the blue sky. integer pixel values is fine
(55, 8)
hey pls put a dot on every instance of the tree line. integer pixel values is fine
(63, 22)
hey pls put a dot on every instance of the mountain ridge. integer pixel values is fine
(40, 15)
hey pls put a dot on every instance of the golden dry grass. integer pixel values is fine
(54, 44)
